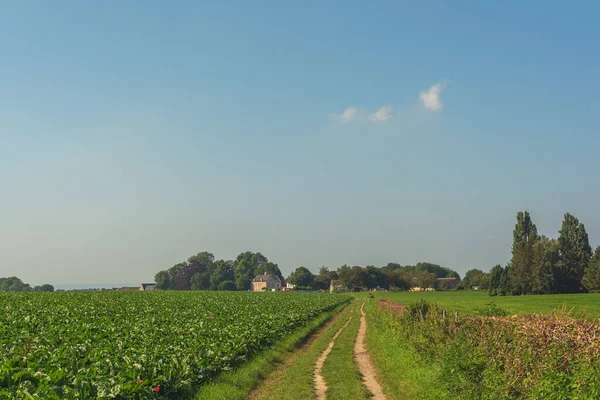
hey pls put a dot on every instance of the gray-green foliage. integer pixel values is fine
(14, 284)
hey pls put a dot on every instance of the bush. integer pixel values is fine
(491, 310)
(419, 310)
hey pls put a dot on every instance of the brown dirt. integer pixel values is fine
(320, 385)
(363, 359)
(267, 385)
(388, 305)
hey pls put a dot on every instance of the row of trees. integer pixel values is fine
(14, 284)
(202, 272)
(542, 265)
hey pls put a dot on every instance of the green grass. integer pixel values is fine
(295, 380)
(467, 302)
(340, 371)
(402, 373)
(239, 382)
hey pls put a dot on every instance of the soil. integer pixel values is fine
(363, 359)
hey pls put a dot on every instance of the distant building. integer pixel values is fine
(146, 287)
(130, 288)
(418, 289)
(265, 281)
(451, 282)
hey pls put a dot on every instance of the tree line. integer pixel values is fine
(14, 284)
(541, 265)
(203, 272)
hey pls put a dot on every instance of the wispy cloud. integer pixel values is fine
(381, 115)
(431, 98)
(349, 114)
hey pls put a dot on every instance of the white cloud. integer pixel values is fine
(348, 115)
(431, 98)
(381, 115)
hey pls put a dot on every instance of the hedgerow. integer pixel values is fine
(554, 356)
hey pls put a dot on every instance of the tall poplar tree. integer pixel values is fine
(575, 253)
(521, 273)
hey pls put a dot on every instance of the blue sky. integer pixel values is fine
(135, 134)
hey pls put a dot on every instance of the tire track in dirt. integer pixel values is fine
(320, 385)
(363, 359)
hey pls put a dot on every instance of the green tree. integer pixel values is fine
(398, 279)
(522, 271)
(301, 277)
(321, 282)
(591, 278)
(495, 277)
(200, 266)
(227, 285)
(374, 277)
(248, 265)
(505, 283)
(476, 277)
(44, 288)
(425, 280)
(546, 261)
(13, 284)
(575, 252)
(223, 271)
(244, 273)
(164, 280)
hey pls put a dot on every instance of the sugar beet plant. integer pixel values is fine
(138, 345)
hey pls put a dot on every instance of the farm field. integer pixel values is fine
(468, 302)
(139, 345)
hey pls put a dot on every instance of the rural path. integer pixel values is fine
(270, 384)
(363, 359)
(320, 385)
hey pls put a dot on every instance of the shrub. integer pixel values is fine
(492, 310)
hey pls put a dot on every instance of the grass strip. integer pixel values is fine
(402, 373)
(340, 371)
(238, 383)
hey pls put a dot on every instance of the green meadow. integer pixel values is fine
(468, 302)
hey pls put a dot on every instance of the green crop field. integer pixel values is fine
(468, 302)
(138, 345)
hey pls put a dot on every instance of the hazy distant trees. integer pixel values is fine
(475, 278)
(203, 272)
(394, 276)
(14, 284)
